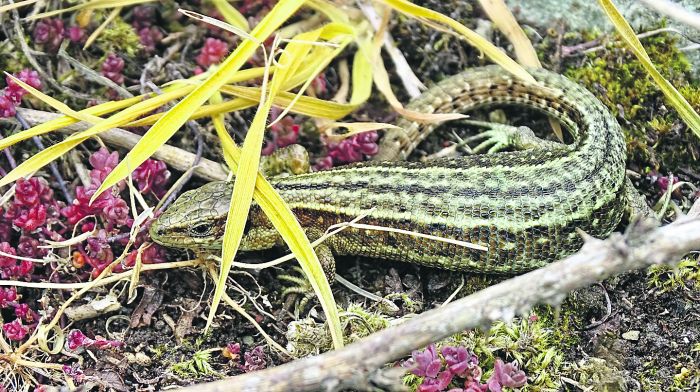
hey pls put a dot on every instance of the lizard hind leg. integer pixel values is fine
(501, 136)
(636, 205)
(300, 284)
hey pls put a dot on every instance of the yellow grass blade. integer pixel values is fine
(330, 10)
(244, 186)
(167, 125)
(65, 121)
(89, 5)
(381, 80)
(489, 49)
(687, 113)
(250, 96)
(113, 14)
(351, 128)
(39, 160)
(498, 12)
(54, 103)
(10, 7)
(361, 78)
(231, 15)
(222, 25)
(44, 157)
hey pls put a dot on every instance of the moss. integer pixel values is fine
(530, 341)
(664, 278)
(119, 37)
(306, 337)
(655, 134)
(598, 375)
(197, 365)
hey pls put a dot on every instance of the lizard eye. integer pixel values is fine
(200, 230)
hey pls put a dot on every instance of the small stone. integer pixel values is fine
(248, 340)
(631, 335)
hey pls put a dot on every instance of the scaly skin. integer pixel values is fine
(524, 206)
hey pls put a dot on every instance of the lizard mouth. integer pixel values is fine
(157, 233)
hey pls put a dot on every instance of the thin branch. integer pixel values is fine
(357, 365)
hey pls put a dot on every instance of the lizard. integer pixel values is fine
(526, 206)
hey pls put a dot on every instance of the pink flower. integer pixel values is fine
(14, 92)
(284, 132)
(6, 261)
(30, 220)
(154, 254)
(212, 52)
(425, 363)
(112, 68)
(506, 375)
(438, 384)
(150, 37)
(99, 251)
(74, 371)
(104, 161)
(15, 330)
(31, 192)
(324, 163)
(49, 32)
(475, 386)
(232, 351)
(75, 34)
(29, 247)
(254, 360)
(77, 339)
(24, 312)
(459, 360)
(153, 176)
(354, 148)
(116, 211)
(22, 269)
(7, 107)
(8, 295)
(142, 16)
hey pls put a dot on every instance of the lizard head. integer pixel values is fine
(196, 220)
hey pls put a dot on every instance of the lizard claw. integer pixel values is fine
(498, 137)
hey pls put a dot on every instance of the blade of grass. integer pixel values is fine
(687, 113)
(269, 200)
(167, 125)
(489, 49)
(499, 13)
(65, 121)
(351, 129)
(89, 5)
(113, 14)
(54, 103)
(10, 7)
(232, 28)
(231, 15)
(244, 186)
(125, 116)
